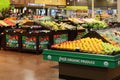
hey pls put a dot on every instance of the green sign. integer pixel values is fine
(44, 41)
(12, 40)
(28, 42)
(79, 58)
(60, 38)
(80, 35)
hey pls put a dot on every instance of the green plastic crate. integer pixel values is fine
(88, 59)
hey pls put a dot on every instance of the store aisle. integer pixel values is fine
(22, 66)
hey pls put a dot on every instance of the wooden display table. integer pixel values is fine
(79, 72)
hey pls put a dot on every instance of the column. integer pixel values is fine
(118, 8)
(93, 14)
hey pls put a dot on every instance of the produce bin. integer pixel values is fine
(30, 42)
(35, 38)
(35, 41)
(11, 39)
(107, 61)
(85, 65)
(44, 40)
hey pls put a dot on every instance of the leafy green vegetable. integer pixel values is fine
(95, 24)
(4, 5)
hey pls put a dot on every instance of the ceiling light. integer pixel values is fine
(68, 3)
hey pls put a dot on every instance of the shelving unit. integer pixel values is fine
(85, 65)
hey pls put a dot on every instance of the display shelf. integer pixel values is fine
(11, 40)
(20, 39)
(107, 61)
(29, 42)
(34, 37)
(64, 35)
(35, 41)
(81, 72)
(85, 66)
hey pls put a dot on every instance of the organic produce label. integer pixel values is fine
(44, 41)
(60, 38)
(82, 61)
(12, 40)
(29, 42)
(65, 59)
(118, 63)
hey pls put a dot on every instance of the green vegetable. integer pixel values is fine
(95, 24)
(4, 5)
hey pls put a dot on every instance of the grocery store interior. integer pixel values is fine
(59, 40)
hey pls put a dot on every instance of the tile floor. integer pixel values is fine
(24, 66)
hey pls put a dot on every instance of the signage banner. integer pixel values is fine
(28, 42)
(44, 41)
(12, 40)
(60, 38)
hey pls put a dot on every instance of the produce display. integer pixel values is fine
(116, 31)
(112, 36)
(28, 42)
(2, 23)
(44, 41)
(91, 45)
(42, 18)
(88, 45)
(76, 20)
(52, 25)
(23, 22)
(7, 22)
(55, 26)
(12, 40)
(10, 22)
(70, 27)
(11, 18)
(91, 23)
(31, 25)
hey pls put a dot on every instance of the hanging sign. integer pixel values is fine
(32, 4)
